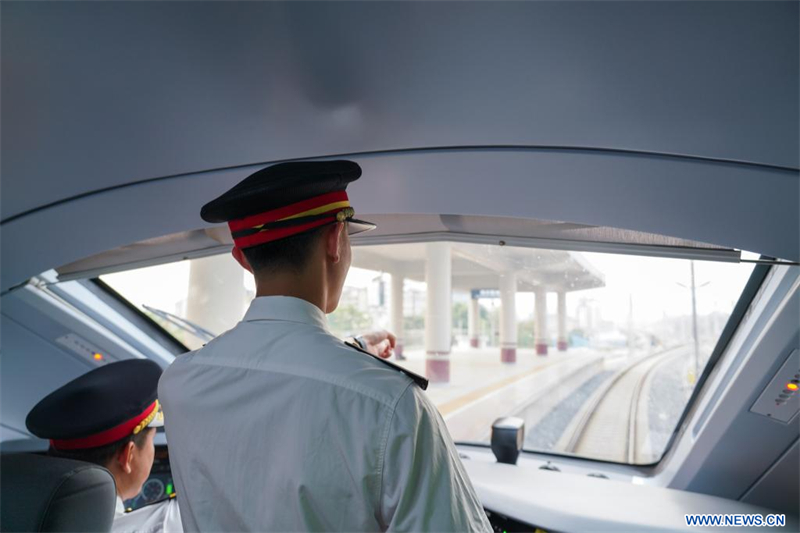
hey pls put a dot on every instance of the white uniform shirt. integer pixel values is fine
(161, 517)
(277, 425)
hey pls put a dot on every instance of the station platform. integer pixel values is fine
(482, 388)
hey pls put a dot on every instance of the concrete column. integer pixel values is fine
(541, 321)
(508, 318)
(562, 321)
(438, 311)
(216, 299)
(396, 317)
(474, 318)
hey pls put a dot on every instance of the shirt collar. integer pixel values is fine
(285, 309)
(120, 507)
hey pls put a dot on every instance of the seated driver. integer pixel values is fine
(109, 417)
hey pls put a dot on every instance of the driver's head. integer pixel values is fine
(293, 220)
(324, 249)
(107, 416)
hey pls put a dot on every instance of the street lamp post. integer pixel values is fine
(694, 288)
(694, 323)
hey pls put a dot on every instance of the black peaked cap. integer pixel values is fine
(99, 400)
(280, 185)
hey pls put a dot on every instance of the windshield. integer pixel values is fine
(597, 353)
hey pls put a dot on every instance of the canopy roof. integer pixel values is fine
(479, 266)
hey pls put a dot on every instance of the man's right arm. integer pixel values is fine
(424, 486)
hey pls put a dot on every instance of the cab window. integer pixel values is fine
(597, 353)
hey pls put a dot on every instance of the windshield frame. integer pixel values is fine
(751, 288)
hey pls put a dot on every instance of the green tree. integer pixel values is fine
(349, 320)
(414, 322)
(526, 334)
(460, 315)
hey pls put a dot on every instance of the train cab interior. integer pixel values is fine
(588, 227)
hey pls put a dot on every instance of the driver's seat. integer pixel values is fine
(42, 493)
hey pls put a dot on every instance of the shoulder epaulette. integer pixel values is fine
(419, 380)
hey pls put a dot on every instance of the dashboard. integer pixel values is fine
(525, 497)
(160, 485)
(567, 501)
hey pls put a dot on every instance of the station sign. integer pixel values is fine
(485, 293)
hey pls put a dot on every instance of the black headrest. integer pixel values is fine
(41, 493)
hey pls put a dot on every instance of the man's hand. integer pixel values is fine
(380, 343)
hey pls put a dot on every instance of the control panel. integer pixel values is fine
(780, 400)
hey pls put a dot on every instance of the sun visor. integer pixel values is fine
(159, 250)
(536, 233)
(403, 228)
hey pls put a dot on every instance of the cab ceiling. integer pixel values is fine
(693, 104)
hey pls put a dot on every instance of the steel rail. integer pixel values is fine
(632, 449)
(596, 400)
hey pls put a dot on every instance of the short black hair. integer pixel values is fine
(102, 455)
(291, 253)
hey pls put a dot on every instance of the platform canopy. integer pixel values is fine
(479, 266)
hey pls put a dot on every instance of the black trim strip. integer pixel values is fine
(452, 148)
(770, 262)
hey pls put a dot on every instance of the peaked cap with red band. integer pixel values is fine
(286, 199)
(100, 407)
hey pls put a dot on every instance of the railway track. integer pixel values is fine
(609, 425)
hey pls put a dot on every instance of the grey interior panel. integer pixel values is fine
(566, 502)
(779, 487)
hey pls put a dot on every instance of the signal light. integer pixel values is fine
(791, 386)
(98, 356)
